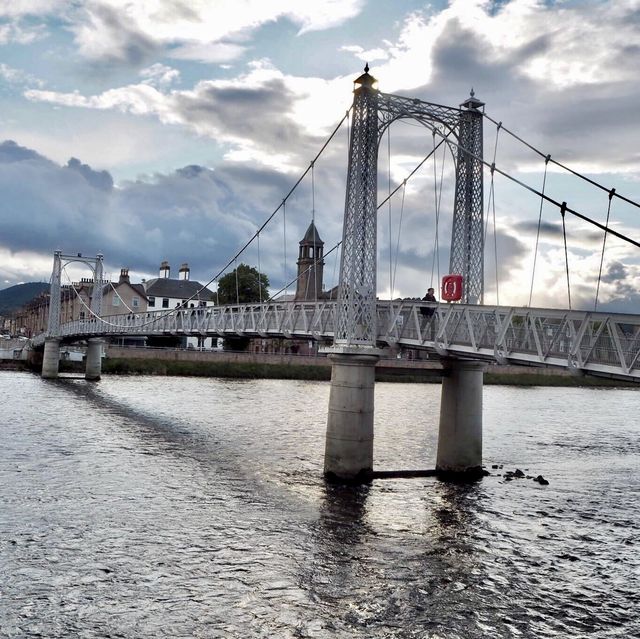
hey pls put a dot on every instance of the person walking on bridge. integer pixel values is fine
(428, 311)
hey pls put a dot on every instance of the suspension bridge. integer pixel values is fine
(463, 330)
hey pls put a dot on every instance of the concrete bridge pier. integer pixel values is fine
(460, 433)
(51, 358)
(349, 443)
(93, 365)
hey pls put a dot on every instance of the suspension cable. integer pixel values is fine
(91, 312)
(120, 298)
(439, 208)
(437, 196)
(604, 242)
(535, 252)
(547, 198)
(284, 236)
(237, 284)
(401, 185)
(492, 202)
(389, 209)
(395, 264)
(272, 215)
(495, 239)
(426, 157)
(259, 271)
(563, 208)
(313, 221)
(566, 168)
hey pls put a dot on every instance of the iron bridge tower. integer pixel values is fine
(373, 112)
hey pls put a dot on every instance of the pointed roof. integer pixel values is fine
(311, 237)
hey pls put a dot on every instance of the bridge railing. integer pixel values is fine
(593, 342)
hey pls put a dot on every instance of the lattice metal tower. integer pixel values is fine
(60, 261)
(467, 237)
(373, 112)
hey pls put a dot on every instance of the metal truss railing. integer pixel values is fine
(596, 343)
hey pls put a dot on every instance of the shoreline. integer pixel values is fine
(184, 363)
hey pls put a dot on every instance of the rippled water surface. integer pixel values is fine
(172, 507)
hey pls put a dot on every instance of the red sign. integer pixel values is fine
(452, 288)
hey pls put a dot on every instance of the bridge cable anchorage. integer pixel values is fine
(563, 209)
(547, 198)
(566, 168)
(604, 242)
(535, 252)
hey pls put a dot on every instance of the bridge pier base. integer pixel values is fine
(93, 365)
(51, 358)
(460, 434)
(349, 443)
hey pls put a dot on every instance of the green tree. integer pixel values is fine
(249, 286)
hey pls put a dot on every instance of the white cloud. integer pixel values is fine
(159, 75)
(199, 30)
(17, 76)
(370, 55)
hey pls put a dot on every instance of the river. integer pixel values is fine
(177, 507)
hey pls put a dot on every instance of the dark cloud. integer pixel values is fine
(616, 272)
(134, 47)
(12, 152)
(193, 215)
(99, 179)
(259, 114)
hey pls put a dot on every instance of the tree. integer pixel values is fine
(249, 286)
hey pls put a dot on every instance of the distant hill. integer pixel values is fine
(12, 298)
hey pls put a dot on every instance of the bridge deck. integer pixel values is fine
(595, 343)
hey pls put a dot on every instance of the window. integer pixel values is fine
(116, 301)
(152, 302)
(81, 315)
(135, 302)
(165, 302)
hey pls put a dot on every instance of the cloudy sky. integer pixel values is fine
(171, 129)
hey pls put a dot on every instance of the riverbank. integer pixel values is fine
(135, 361)
(186, 363)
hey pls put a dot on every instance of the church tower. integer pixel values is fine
(310, 266)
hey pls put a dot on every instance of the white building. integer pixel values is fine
(163, 292)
